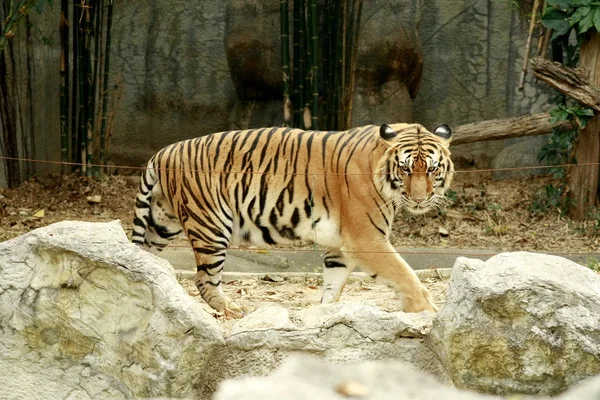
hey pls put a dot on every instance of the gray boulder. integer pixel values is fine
(306, 378)
(85, 314)
(340, 332)
(519, 323)
(301, 377)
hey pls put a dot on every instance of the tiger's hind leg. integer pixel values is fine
(209, 262)
(336, 270)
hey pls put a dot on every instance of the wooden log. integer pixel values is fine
(582, 179)
(570, 81)
(528, 125)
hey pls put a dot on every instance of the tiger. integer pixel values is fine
(338, 189)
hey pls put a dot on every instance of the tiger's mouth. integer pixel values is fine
(433, 202)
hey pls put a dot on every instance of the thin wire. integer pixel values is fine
(314, 249)
(284, 174)
(453, 251)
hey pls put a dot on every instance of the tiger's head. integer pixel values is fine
(416, 169)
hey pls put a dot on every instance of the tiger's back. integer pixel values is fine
(274, 186)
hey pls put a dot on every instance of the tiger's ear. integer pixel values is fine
(443, 131)
(386, 132)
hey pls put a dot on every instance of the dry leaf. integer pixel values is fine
(262, 251)
(39, 213)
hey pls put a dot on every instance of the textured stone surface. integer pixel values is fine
(86, 314)
(305, 378)
(524, 153)
(340, 332)
(519, 323)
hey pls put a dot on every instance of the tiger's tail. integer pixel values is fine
(143, 203)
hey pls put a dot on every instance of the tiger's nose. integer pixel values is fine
(419, 200)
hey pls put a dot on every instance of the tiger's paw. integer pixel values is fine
(233, 311)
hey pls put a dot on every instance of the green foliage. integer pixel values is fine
(565, 15)
(594, 264)
(558, 152)
(550, 199)
(452, 195)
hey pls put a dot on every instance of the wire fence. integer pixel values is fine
(315, 249)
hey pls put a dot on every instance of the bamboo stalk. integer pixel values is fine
(352, 80)
(64, 83)
(536, 5)
(95, 86)
(14, 18)
(74, 87)
(344, 19)
(285, 60)
(302, 64)
(88, 90)
(29, 138)
(326, 73)
(307, 119)
(82, 67)
(314, 33)
(296, 97)
(338, 79)
(103, 129)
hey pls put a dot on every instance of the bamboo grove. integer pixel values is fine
(87, 99)
(319, 72)
(85, 113)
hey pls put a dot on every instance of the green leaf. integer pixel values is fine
(597, 19)
(582, 121)
(579, 14)
(561, 4)
(557, 20)
(586, 112)
(587, 20)
(580, 3)
(557, 115)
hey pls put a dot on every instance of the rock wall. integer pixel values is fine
(194, 68)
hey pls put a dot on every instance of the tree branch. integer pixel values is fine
(570, 81)
(528, 125)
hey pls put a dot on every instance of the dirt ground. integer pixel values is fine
(301, 293)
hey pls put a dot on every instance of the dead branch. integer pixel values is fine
(570, 81)
(528, 125)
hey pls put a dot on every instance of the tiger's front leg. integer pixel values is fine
(336, 270)
(209, 262)
(380, 260)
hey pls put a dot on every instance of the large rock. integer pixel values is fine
(306, 378)
(340, 332)
(519, 323)
(86, 314)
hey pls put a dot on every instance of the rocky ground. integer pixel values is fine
(300, 293)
